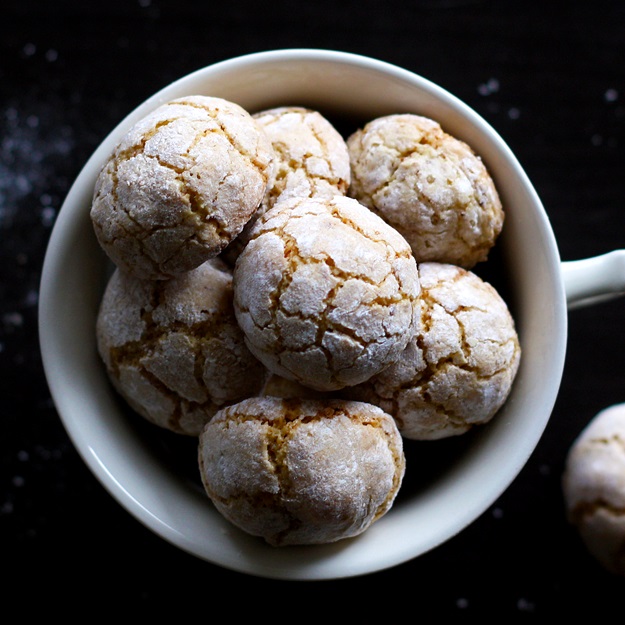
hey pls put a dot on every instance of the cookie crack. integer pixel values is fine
(214, 115)
(134, 353)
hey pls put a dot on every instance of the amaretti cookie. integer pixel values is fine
(458, 370)
(326, 292)
(310, 160)
(180, 186)
(428, 185)
(594, 487)
(301, 472)
(311, 157)
(173, 349)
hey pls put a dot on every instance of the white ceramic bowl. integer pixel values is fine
(472, 473)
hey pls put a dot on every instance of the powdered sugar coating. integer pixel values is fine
(298, 472)
(311, 157)
(325, 292)
(310, 160)
(594, 487)
(173, 349)
(427, 184)
(459, 368)
(180, 185)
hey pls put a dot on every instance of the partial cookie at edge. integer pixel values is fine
(593, 485)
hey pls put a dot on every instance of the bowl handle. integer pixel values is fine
(596, 279)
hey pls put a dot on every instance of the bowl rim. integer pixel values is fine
(372, 551)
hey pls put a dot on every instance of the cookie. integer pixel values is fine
(173, 349)
(458, 370)
(311, 157)
(310, 160)
(301, 472)
(428, 185)
(180, 186)
(593, 485)
(326, 292)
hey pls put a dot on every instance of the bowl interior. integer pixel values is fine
(152, 474)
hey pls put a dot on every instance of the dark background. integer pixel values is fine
(550, 78)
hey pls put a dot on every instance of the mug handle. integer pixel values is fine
(596, 279)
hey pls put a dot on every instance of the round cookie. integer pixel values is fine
(180, 186)
(173, 349)
(593, 485)
(310, 160)
(428, 185)
(300, 472)
(326, 292)
(459, 368)
(311, 157)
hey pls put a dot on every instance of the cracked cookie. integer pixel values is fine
(173, 349)
(180, 186)
(593, 485)
(300, 472)
(458, 369)
(310, 160)
(428, 185)
(326, 292)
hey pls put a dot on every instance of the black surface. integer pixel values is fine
(550, 78)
